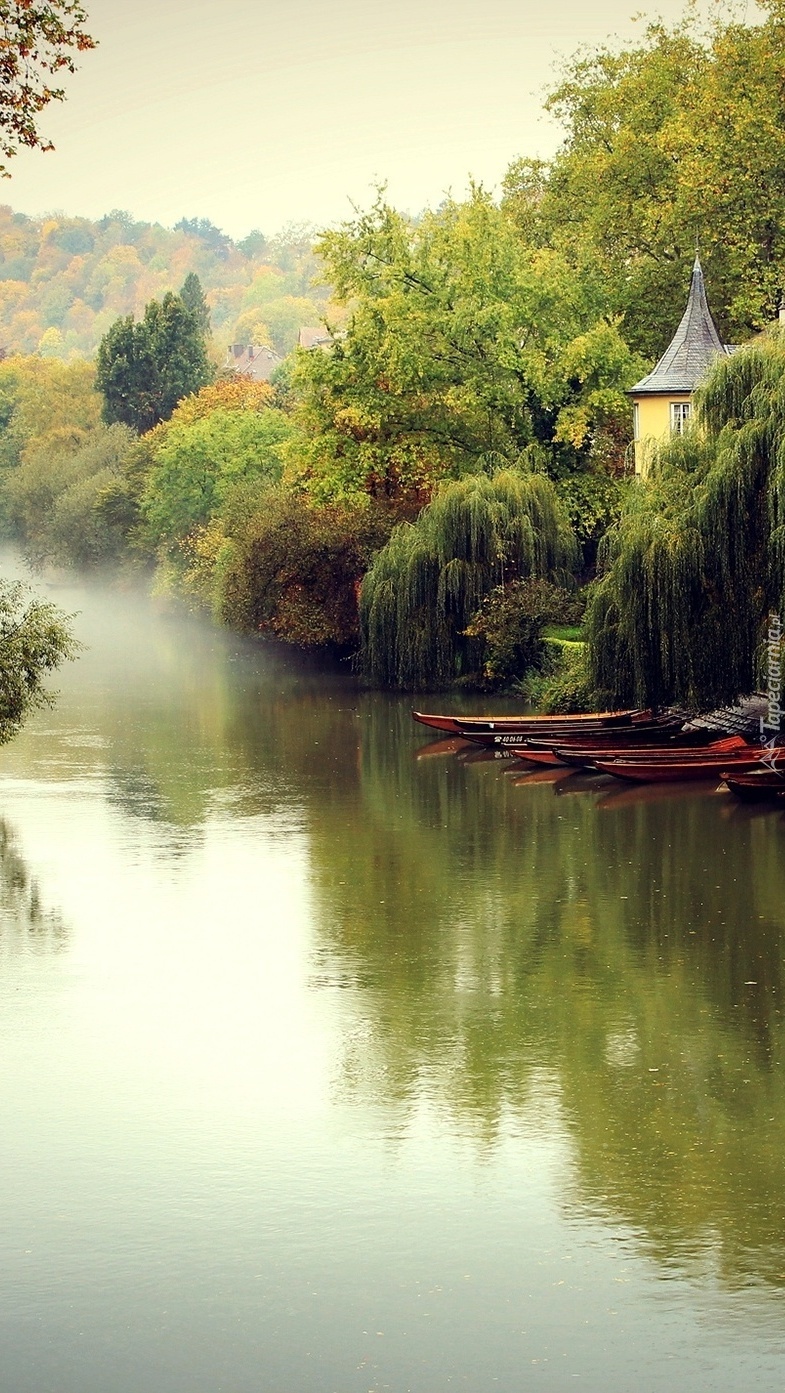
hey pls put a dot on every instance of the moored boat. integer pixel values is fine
(679, 749)
(700, 766)
(584, 754)
(556, 735)
(758, 785)
(460, 725)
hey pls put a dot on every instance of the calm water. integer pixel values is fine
(326, 1067)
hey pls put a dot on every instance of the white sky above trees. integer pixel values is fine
(253, 113)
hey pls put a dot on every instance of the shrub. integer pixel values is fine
(293, 569)
(510, 624)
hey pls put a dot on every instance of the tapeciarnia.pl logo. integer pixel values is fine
(773, 719)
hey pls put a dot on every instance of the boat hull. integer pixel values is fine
(758, 786)
(495, 725)
(681, 771)
(587, 758)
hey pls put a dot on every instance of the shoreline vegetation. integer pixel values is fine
(441, 487)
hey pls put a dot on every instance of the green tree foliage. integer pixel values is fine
(423, 589)
(38, 41)
(697, 561)
(55, 499)
(292, 568)
(192, 296)
(675, 138)
(34, 640)
(198, 463)
(145, 368)
(461, 342)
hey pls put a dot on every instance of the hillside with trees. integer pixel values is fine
(65, 280)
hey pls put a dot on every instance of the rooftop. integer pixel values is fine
(692, 349)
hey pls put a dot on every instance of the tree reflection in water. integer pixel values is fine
(24, 923)
(497, 936)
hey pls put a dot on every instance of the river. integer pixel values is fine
(331, 1066)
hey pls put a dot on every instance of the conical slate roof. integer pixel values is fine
(693, 347)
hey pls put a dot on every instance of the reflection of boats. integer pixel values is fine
(543, 776)
(584, 781)
(764, 784)
(450, 746)
(520, 725)
(629, 795)
(470, 753)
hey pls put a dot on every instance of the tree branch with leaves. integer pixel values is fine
(36, 42)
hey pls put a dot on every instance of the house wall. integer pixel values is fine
(654, 425)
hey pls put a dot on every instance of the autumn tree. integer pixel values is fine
(38, 40)
(199, 462)
(56, 499)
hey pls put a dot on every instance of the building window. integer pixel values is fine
(680, 416)
(636, 421)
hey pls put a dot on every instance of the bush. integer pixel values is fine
(34, 640)
(564, 686)
(510, 624)
(292, 569)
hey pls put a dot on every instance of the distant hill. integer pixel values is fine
(63, 281)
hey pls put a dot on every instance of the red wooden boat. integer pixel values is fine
(587, 759)
(462, 725)
(581, 752)
(700, 766)
(759, 785)
(678, 749)
(659, 730)
(558, 735)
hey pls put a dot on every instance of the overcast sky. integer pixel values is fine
(255, 114)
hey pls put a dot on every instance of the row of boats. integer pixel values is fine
(637, 745)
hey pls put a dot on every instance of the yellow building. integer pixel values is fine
(662, 401)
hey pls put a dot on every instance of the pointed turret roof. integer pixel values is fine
(692, 349)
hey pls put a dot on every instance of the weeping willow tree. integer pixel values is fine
(426, 584)
(696, 563)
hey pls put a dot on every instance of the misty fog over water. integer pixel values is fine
(331, 1065)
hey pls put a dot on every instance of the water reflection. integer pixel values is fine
(631, 950)
(25, 924)
(493, 939)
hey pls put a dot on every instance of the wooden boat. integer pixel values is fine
(558, 735)
(659, 730)
(581, 752)
(673, 750)
(619, 795)
(462, 725)
(759, 785)
(700, 766)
